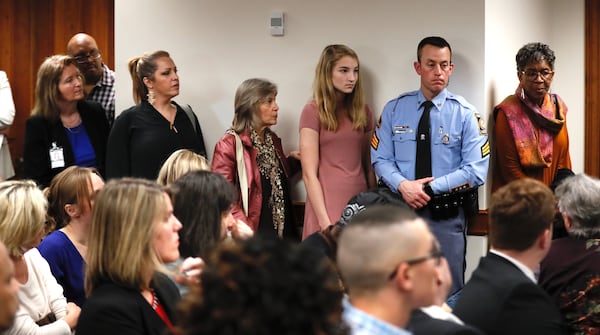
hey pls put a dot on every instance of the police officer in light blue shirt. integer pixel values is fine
(459, 152)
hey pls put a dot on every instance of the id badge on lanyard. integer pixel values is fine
(57, 159)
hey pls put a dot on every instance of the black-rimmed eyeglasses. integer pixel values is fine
(436, 255)
(533, 75)
(82, 59)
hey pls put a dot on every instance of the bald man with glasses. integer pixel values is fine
(388, 259)
(99, 79)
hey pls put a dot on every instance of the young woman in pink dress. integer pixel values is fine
(335, 128)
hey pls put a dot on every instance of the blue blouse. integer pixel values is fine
(66, 264)
(82, 146)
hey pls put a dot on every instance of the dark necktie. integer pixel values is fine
(423, 159)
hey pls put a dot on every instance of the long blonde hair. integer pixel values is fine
(325, 94)
(120, 247)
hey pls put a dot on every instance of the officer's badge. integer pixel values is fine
(481, 123)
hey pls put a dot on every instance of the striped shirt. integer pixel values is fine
(104, 93)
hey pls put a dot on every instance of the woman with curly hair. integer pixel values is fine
(264, 286)
(530, 132)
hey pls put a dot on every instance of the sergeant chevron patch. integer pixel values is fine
(485, 149)
(374, 141)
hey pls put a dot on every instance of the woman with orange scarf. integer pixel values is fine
(530, 132)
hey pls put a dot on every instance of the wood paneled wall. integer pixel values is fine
(592, 87)
(30, 31)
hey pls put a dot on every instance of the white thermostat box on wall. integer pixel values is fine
(276, 23)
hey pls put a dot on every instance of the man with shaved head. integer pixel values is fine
(388, 259)
(99, 79)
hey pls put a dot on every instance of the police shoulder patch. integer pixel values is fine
(481, 124)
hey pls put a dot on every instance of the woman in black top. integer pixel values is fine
(144, 136)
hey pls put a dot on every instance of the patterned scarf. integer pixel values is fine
(524, 117)
(268, 164)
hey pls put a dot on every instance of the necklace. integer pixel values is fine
(70, 121)
(74, 130)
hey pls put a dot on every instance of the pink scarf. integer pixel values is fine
(524, 117)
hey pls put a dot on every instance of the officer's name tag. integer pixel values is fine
(57, 159)
(402, 130)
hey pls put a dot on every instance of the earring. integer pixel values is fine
(150, 96)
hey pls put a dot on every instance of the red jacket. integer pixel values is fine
(224, 162)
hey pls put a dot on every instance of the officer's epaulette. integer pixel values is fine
(406, 94)
(460, 100)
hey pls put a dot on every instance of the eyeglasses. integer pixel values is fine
(436, 254)
(82, 59)
(533, 75)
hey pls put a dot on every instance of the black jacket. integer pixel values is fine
(114, 309)
(500, 299)
(40, 133)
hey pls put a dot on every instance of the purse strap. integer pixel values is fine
(190, 114)
(241, 168)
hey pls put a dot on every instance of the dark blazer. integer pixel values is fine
(40, 133)
(422, 324)
(500, 299)
(114, 309)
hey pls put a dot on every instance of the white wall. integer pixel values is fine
(218, 44)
